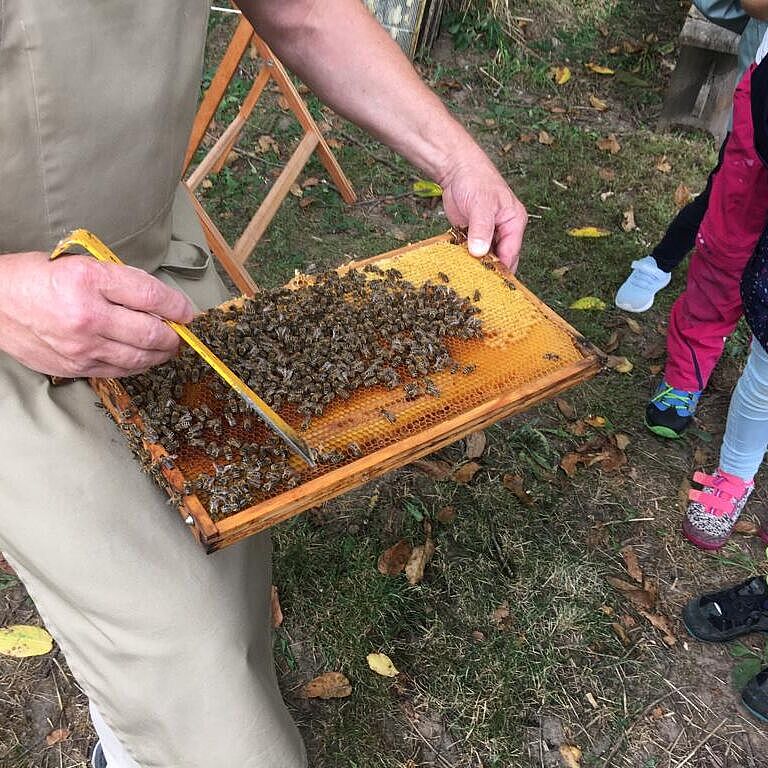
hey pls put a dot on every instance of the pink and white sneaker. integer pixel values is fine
(714, 510)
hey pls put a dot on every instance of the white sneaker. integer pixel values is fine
(639, 289)
(97, 758)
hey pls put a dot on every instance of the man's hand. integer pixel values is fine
(477, 197)
(77, 317)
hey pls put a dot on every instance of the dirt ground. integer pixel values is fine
(516, 649)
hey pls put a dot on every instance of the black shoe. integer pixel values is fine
(755, 695)
(670, 411)
(722, 616)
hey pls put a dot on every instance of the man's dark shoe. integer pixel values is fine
(722, 616)
(755, 695)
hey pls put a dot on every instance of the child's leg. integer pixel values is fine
(746, 433)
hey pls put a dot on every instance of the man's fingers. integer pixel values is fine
(480, 229)
(135, 289)
(138, 329)
(126, 359)
(510, 227)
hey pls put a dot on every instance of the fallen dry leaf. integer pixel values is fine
(622, 440)
(657, 713)
(466, 472)
(683, 196)
(546, 138)
(265, 144)
(640, 597)
(331, 685)
(478, 636)
(621, 634)
(56, 736)
(628, 220)
(588, 232)
(613, 342)
(446, 515)
(571, 755)
(515, 484)
(598, 69)
(619, 364)
(474, 444)
(24, 640)
(206, 183)
(565, 408)
(747, 528)
(559, 272)
(632, 563)
(296, 190)
(500, 616)
(526, 138)
(606, 174)
(633, 325)
(663, 165)
(578, 428)
(627, 621)
(597, 103)
(417, 562)
(276, 609)
(312, 181)
(382, 665)
(609, 144)
(595, 421)
(434, 468)
(392, 561)
(682, 494)
(561, 75)
(664, 626)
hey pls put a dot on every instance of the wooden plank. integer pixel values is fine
(226, 141)
(337, 482)
(221, 250)
(268, 208)
(218, 87)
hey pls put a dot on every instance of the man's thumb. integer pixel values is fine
(480, 231)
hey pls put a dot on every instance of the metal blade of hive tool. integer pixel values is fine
(272, 419)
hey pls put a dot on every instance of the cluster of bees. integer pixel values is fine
(300, 350)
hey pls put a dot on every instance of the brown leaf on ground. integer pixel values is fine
(663, 624)
(577, 428)
(331, 685)
(595, 421)
(526, 138)
(621, 633)
(638, 596)
(622, 440)
(560, 272)
(683, 196)
(654, 349)
(633, 325)
(663, 165)
(276, 609)
(417, 562)
(565, 408)
(571, 755)
(619, 364)
(56, 736)
(478, 636)
(474, 444)
(747, 528)
(682, 494)
(627, 621)
(466, 472)
(446, 515)
(434, 468)
(500, 616)
(700, 456)
(609, 144)
(632, 563)
(392, 561)
(546, 138)
(606, 174)
(515, 484)
(312, 181)
(628, 220)
(613, 342)
(597, 103)
(569, 462)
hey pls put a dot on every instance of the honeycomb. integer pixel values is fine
(522, 343)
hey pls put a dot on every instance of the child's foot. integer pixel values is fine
(639, 289)
(719, 617)
(670, 410)
(714, 510)
(755, 695)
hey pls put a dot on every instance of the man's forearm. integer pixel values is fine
(352, 64)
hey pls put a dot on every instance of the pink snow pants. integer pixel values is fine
(710, 306)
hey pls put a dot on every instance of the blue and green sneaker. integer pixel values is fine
(670, 410)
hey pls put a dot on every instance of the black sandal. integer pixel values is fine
(722, 616)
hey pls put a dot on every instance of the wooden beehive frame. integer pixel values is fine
(214, 535)
(312, 141)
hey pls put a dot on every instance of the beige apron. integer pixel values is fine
(173, 647)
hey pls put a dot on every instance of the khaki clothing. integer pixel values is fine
(172, 646)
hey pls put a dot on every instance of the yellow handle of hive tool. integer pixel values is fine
(273, 420)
